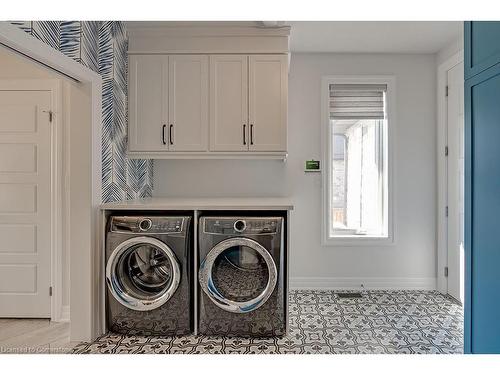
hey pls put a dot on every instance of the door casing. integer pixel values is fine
(442, 222)
(455, 183)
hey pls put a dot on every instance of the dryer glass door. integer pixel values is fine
(238, 275)
(142, 273)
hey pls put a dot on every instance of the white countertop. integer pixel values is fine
(201, 204)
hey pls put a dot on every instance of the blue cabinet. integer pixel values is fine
(482, 194)
(482, 40)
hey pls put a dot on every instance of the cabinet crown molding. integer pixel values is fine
(208, 39)
(187, 29)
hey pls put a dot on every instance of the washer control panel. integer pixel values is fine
(145, 224)
(168, 225)
(243, 225)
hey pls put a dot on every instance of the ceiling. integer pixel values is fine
(349, 36)
(373, 36)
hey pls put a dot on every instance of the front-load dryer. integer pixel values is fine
(148, 277)
(241, 275)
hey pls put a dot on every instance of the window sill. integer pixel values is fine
(358, 241)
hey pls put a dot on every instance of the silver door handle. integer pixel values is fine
(170, 136)
(251, 134)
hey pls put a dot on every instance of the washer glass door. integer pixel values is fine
(142, 273)
(238, 275)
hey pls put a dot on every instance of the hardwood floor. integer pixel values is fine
(34, 336)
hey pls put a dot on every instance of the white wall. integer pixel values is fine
(411, 261)
(14, 66)
(451, 49)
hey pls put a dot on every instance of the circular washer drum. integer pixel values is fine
(142, 273)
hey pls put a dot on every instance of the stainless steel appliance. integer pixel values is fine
(148, 275)
(241, 274)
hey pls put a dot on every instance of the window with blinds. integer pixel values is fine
(355, 101)
(358, 158)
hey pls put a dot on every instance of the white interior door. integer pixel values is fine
(455, 181)
(148, 103)
(267, 102)
(188, 103)
(229, 103)
(25, 203)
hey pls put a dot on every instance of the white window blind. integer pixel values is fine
(354, 101)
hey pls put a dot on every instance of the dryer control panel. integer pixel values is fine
(243, 225)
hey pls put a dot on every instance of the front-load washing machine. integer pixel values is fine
(241, 274)
(148, 275)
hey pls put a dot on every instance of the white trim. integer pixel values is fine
(57, 130)
(370, 283)
(194, 29)
(86, 327)
(65, 313)
(57, 234)
(442, 251)
(390, 81)
(20, 41)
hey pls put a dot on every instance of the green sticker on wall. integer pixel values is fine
(312, 165)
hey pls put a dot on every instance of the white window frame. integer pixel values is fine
(326, 134)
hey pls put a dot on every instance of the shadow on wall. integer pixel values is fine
(221, 178)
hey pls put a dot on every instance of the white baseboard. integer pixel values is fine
(373, 283)
(64, 313)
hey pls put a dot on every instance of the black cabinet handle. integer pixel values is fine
(244, 134)
(170, 136)
(251, 134)
(163, 134)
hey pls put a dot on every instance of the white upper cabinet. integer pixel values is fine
(208, 106)
(188, 103)
(229, 103)
(268, 102)
(148, 107)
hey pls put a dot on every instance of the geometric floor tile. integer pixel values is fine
(380, 322)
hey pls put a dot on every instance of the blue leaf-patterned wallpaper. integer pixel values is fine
(102, 47)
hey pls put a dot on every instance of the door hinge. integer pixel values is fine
(445, 271)
(446, 211)
(447, 91)
(445, 150)
(50, 291)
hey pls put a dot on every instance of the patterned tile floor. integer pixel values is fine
(321, 322)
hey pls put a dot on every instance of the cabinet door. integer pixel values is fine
(148, 105)
(268, 81)
(229, 103)
(188, 103)
(482, 49)
(482, 205)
